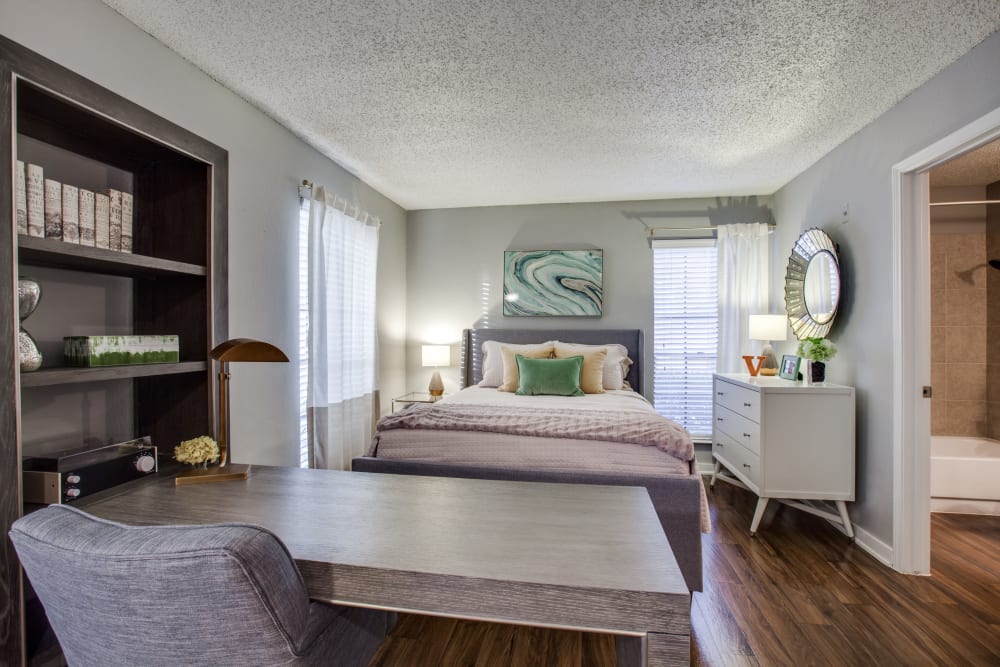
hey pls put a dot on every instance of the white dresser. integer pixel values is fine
(786, 441)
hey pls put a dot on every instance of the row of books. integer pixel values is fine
(50, 209)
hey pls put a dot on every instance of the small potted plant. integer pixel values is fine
(818, 351)
(198, 451)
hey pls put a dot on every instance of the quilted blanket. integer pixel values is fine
(634, 427)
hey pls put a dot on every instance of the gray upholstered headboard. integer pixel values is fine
(472, 346)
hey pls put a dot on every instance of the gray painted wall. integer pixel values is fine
(857, 174)
(266, 162)
(455, 264)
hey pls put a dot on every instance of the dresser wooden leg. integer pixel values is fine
(758, 514)
(842, 507)
(715, 473)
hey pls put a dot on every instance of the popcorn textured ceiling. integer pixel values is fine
(474, 102)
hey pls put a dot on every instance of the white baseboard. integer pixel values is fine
(705, 468)
(964, 506)
(873, 546)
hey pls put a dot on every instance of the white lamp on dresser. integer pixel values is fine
(786, 442)
(768, 328)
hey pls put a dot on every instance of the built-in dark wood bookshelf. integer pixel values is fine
(174, 281)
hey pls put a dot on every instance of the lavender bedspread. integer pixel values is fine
(632, 427)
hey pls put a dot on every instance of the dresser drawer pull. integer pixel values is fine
(746, 435)
(719, 393)
(746, 405)
(718, 419)
(746, 465)
(720, 445)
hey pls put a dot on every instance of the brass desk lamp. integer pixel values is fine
(237, 349)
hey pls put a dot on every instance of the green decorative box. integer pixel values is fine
(97, 351)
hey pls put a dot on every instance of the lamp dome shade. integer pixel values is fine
(247, 349)
(435, 355)
(768, 327)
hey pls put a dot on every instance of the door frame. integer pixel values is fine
(911, 319)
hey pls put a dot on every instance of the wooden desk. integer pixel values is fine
(582, 557)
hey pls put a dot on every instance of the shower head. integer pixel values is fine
(995, 263)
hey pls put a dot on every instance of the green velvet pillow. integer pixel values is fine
(555, 377)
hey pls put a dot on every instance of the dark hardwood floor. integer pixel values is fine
(799, 593)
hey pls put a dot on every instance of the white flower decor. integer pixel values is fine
(202, 449)
(817, 349)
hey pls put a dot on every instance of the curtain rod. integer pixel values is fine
(965, 203)
(305, 192)
(711, 228)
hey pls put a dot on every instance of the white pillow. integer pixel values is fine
(616, 363)
(493, 359)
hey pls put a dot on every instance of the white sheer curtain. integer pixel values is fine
(744, 279)
(342, 397)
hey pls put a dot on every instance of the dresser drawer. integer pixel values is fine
(738, 459)
(739, 399)
(738, 427)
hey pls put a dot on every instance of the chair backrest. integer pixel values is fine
(114, 594)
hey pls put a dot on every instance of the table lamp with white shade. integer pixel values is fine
(435, 356)
(768, 328)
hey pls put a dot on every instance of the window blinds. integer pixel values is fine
(685, 331)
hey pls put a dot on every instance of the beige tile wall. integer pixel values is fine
(959, 334)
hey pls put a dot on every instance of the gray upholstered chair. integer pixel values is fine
(226, 594)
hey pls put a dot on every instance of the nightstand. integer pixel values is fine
(414, 397)
(786, 441)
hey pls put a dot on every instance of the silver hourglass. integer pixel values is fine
(29, 293)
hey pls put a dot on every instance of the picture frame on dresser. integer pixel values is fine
(174, 282)
(789, 369)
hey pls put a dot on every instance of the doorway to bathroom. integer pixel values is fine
(965, 333)
(913, 293)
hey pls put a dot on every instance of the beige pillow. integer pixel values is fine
(592, 374)
(509, 355)
(616, 362)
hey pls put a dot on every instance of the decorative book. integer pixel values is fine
(53, 209)
(115, 212)
(35, 188)
(97, 351)
(20, 199)
(86, 218)
(126, 222)
(102, 221)
(70, 213)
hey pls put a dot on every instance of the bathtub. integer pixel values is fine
(965, 475)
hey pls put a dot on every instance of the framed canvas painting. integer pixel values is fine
(553, 283)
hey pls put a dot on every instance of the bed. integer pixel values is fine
(449, 439)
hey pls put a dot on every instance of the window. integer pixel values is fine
(339, 250)
(685, 331)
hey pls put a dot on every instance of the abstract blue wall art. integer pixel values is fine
(553, 282)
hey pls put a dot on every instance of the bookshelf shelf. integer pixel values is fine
(57, 254)
(47, 377)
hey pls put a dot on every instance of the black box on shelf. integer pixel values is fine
(68, 475)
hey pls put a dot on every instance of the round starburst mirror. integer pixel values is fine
(812, 285)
